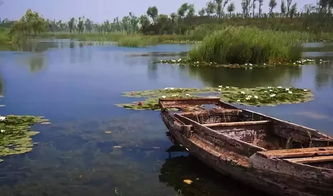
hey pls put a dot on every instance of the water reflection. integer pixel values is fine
(324, 75)
(246, 78)
(205, 181)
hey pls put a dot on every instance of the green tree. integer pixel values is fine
(283, 8)
(144, 23)
(182, 10)
(88, 24)
(231, 8)
(29, 24)
(289, 2)
(293, 10)
(71, 25)
(253, 7)
(202, 12)
(80, 25)
(153, 13)
(210, 8)
(246, 7)
(219, 8)
(261, 3)
(272, 5)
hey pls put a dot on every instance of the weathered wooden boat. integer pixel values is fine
(278, 157)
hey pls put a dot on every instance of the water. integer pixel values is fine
(76, 85)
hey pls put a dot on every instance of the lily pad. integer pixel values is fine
(15, 134)
(259, 96)
(189, 62)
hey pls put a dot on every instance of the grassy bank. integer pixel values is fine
(241, 45)
(122, 39)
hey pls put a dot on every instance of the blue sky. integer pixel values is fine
(100, 10)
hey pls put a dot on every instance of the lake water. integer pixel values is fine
(76, 85)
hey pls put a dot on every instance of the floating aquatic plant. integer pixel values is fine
(189, 62)
(260, 96)
(15, 134)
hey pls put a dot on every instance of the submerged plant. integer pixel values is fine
(260, 96)
(15, 134)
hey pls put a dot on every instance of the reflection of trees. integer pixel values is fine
(36, 63)
(205, 180)
(246, 78)
(1, 86)
(324, 75)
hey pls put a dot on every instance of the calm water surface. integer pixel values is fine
(76, 86)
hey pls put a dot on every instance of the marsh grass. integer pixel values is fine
(122, 39)
(243, 45)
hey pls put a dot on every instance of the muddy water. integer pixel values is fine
(93, 147)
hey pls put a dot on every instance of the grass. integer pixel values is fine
(122, 39)
(260, 96)
(240, 45)
(15, 134)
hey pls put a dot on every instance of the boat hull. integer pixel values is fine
(240, 167)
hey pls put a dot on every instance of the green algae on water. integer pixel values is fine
(15, 134)
(259, 96)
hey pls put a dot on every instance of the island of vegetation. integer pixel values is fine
(15, 134)
(259, 96)
(220, 34)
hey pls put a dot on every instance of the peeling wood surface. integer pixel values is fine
(300, 152)
(276, 156)
(316, 159)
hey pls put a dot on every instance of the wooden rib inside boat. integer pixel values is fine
(259, 150)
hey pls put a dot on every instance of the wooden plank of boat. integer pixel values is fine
(298, 152)
(237, 124)
(316, 159)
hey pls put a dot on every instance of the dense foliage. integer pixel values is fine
(249, 45)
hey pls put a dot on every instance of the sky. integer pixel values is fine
(101, 10)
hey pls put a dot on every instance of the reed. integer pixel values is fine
(241, 45)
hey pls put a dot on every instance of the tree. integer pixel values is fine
(246, 7)
(202, 12)
(210, 8)
(29, 24)
(231, 8)
(289, 2)
(272, 5)
(71, 25)
(144, 23)
(190, 11)
(261, 3)
(283, 7)
(80, 25)
(186, 10)
(88, 24)
(220, 5)
(253, 7)
(153, 13)
(293, 10)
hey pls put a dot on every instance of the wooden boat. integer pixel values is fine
(272, 155)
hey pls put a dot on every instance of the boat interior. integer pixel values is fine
(272, 135)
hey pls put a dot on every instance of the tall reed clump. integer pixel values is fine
(240, 45)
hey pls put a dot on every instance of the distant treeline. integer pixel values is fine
(316, 18)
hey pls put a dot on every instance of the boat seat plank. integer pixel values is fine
(236, 124)
(316, 159)
(298, 152)
(213, 111)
